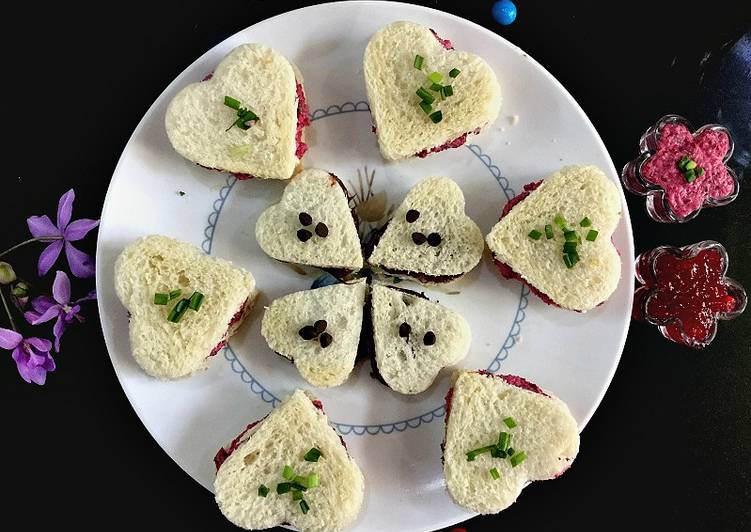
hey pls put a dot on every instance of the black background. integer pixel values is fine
(670, 445)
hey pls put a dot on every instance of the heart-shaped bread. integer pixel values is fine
(453, 244)
(158, 264)
(543, 439)
(574, 193)
(200, 125)
(254, 462)
(414, 338)
(312, 224)
(404, 129)
(324, 355)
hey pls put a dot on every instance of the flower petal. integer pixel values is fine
(40, 344)
(35, 318)
(42, 226)
(38, 375)
(57, 330)
(49, 256)
(9, 339)
(65, 209)
(79, 229)
(61, 288)
(42, 303)
(80, 263)
(90, 295)
(49, 364)
(21, 359)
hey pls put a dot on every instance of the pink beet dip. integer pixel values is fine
(708, 149)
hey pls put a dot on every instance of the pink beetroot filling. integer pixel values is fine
(458, 141)
(708, 149)
(446, 43)
(236, 318)
(507, 272)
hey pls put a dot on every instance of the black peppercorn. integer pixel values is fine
(322, 230)
(307, 333)
(325, 339)
(404, 330)
(418, 238)
(412, 215)
(305, 219)
(304, 235)
(434, 239)
(429, 338)
(320, 326)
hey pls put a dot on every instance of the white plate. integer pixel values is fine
(395, 439)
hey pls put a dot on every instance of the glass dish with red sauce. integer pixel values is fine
(673, 193)
(685, 292)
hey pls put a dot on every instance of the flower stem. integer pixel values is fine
(29, 241)
(7, 311)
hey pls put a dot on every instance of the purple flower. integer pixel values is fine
(58, 306)
(65, 232)
(32, 355)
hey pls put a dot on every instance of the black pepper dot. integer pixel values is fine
(404, 330)
(320, 326)
(418, 238)
(325, 340)
(429, 338)
(434, 239)
(307, 333)
(322, 230)
(305, 219)
(412, 215)
(304, 235)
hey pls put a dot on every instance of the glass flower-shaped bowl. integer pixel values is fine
(655, 173)
(685, 291)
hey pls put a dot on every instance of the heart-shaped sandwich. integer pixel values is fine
(246, 118)
(414, 338)
(183, 305)
(503, 432)
(289, 468)
(312, 224)
(429, 238)
(319, 330)
(425, 96)
(555, 237)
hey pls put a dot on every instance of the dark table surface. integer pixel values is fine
(670, 445)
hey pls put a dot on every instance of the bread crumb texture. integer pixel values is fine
(282, 439)
(158, 264)
(545, 430)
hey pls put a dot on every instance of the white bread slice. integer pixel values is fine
(391, 79)
(574, 192)
(321, 195)
(546, 431)
(280, 439)
(263, 81)
(160, 264)
(440, 202)
(341, 306)
(407, 364)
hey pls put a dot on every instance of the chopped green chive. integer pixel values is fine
(567, 261)
(699, 172)
(175, 293)
(454, 72)
(448, 90)
(435, 77)
(574, 256)
(690, 176)
(592, 235)
(296, 486)
(510, 423)
(586, 222)
(426, 107)
(263, 491)
(570, 236)
(313, 480)
(560, 222)
(569, 247)
(418, 61)
(302, 481)
(195, 301)
(425, 96)
(495, 474)
(177, 312)
(288, 472)
(549, 231)
(436, 117)
(297, 495)
(471, 455)
(690, 165)
(283, 487)
(534, 234)
(497, 452)
(304, 506)
(436, 87)
(683, 162)
(161, 299)
(504, 439)
(313, 455)
(231, 102)
(518, 458)
(510, 451)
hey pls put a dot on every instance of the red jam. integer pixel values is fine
(686, 293)
(707, 149)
